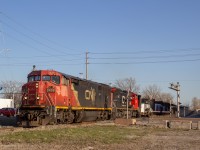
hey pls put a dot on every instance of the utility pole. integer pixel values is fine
(127, 103)
(176, 87)
(86, 63)
(170, 108)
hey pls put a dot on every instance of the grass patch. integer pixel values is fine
(80, 135)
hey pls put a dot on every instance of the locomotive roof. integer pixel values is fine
(70, 76)
(76, 78)
(80, 79)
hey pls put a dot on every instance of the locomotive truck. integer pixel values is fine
(52, 97)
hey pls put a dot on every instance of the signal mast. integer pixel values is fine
(176, 87)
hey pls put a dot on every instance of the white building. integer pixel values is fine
(6, 103)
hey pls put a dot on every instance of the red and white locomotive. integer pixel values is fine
(51, 97)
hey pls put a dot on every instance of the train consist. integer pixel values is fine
(51, 97)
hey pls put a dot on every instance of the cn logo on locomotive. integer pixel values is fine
(90, 94)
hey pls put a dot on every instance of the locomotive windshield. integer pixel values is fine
(34, 78)
(46, 78)
(54, 78)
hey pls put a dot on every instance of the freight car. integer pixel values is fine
(51, 97)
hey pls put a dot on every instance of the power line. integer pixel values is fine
(145, 57)
(142, 57)
(101, 53)
(150, 81)
(125, 63)
(167, 81)
(42, 62)
(42, 56)
(29, 45)
(33, 32)
(142, 52)
(40, 50)
(30, 64)
(145, 62)
(29, 37)
(111, 63)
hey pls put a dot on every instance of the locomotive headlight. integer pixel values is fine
(36, 85)
(38, 97)
(25, 98)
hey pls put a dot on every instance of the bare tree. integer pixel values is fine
(195, 103)
(166, 97)
(12, 89)
(152, 92)
(127, 84)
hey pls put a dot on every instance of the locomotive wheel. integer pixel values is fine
(113, 116)
(70, 117)
(105, 116)
(79, 116)
(120, 114)
(46, 120)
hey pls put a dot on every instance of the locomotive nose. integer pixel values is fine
(30, 93)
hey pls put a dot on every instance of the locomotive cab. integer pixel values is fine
(39, 97)
(41, 88)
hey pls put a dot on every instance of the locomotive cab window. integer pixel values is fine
(37, 78)
(33, 78)
(56, 79)
(46, 78)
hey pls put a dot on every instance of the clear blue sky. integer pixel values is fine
(156, 42)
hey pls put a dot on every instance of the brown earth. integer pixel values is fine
(156, 138)
(171, 140)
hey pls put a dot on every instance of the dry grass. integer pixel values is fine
(107, 137)
(99, 134)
